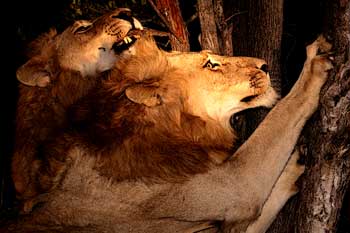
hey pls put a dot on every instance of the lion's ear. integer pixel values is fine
(146, 95)
(33, 73)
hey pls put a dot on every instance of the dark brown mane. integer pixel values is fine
(41, 115)
(42, 44)
(61, 70)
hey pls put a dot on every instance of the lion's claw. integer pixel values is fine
(318, 47)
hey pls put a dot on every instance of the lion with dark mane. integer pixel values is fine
(151, 150)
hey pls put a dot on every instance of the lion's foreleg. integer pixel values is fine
(282, 191)
(264, 155)
(236, 191)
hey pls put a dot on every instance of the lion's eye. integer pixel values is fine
(82, 27)
(211, 65)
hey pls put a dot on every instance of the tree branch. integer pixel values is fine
(165, 21)
(170, 14)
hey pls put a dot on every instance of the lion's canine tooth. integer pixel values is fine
(137, 24)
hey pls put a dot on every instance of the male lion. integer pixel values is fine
(151, 151)
(62, 69)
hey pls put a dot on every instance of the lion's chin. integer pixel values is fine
(268, 99)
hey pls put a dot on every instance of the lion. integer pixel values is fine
(62, 68)
(151, 150)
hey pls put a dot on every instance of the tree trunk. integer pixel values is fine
(216, 32)
(259, 34)
(209, 37)
(317, 207)
(169, 11)
(224, 27)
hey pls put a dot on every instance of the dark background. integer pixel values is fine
(28, 19)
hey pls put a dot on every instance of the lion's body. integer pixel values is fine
(152, 149)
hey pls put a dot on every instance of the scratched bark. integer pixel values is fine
(317, 207)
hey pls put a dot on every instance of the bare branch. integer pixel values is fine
(234, 15)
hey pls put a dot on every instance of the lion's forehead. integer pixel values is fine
(238, 61)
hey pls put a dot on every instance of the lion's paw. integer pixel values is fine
(318, 64)
(320, 56)
(319, 46)
(321, 64)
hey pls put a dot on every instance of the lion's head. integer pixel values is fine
(86, 47)
(208, 86)
(218, 87)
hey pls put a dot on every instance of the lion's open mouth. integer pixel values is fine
(125, 44)
(131, 36)
(243, 121)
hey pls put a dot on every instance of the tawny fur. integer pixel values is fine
(54, 66)
(116, 170)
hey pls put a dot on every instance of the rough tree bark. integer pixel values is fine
(209, 37)
(317, 207)
(170, 13)
(216, 31)
(224, 27)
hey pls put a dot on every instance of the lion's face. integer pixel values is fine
(219, 86)
(87, 46)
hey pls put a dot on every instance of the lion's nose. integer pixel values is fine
(265, 68)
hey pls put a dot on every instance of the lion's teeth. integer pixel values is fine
(127, 40)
